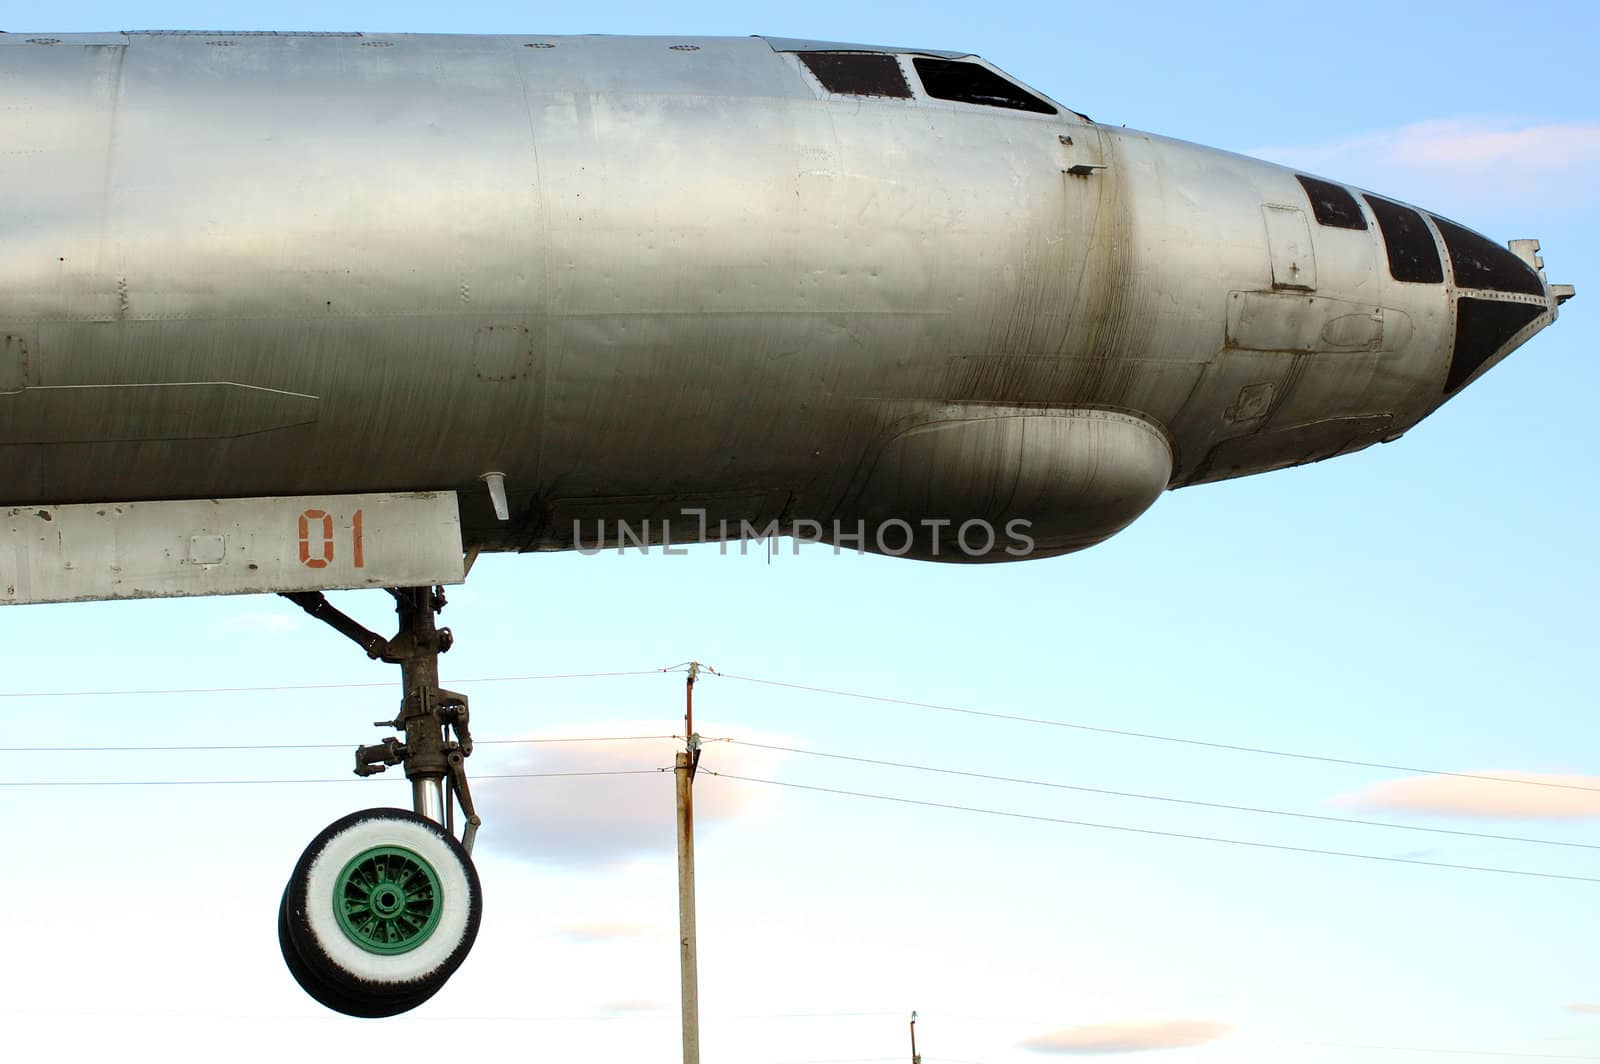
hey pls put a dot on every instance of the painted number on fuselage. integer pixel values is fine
(317, 540)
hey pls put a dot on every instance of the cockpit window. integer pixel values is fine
(858, 73)
(1481, 263)
(1332, 204)
(946, 79)
(1413, 256)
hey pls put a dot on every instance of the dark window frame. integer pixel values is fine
(1332, 204)
(1483, 328)
(877, 75)
(942, 79)
(1478, 262)
(1408, 241)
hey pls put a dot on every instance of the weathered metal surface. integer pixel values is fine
(127, 413)
(1309, 442)
(999, 484)
(1294, 263)
(636, 275)
(228, 546)
(14, 360)
(1301, 322)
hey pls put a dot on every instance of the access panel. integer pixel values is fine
(1294, 264)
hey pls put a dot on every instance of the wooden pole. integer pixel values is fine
(688, 974)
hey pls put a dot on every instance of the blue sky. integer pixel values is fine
(1427, 603)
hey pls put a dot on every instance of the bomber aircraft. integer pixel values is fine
(287, 313)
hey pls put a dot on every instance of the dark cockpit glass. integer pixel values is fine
(858, 73)
(1479, 262)
(947, 79)
(1332, 204)
(1413, 256)
(1483, 327)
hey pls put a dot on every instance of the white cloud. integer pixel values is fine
(1132, 1037)
(602, 819)
(1561, 797)
(1452, 144)
(1463, 160)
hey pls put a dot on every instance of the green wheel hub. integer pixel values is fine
(387, 900)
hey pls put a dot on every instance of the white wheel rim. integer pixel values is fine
(455, 905)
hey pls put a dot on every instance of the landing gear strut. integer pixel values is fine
(384, 904)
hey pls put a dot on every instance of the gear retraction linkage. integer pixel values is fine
(429, 715)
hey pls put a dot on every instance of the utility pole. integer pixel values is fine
(916, 1058)
(689, 981)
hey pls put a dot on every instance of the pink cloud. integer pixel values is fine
(1562, 797)
(1583, 1007)
(1131, 1037)
(1531, 162)
(580, 820)
(1455, 143)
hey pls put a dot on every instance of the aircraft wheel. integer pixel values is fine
(321, 992)
(382, 908)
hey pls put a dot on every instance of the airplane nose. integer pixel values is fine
(1501, 300)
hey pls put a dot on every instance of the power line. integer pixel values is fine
(1168, 798)
(1048, 722)
(307, 746)
(1154, 831)
(332, 779)
(316, 686)
(835, 692)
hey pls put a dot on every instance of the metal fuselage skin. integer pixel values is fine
(639, 275)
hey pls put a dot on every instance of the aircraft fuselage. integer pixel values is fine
(638, 275)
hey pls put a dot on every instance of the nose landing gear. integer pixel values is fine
(384, 904)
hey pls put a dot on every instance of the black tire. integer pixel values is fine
(401, 858)
(319, 991)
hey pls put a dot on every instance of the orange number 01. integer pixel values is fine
(306, 520)
(318, 524)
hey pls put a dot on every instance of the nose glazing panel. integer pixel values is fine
(1479, 262)
(1413, 256)
(1483, 327)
